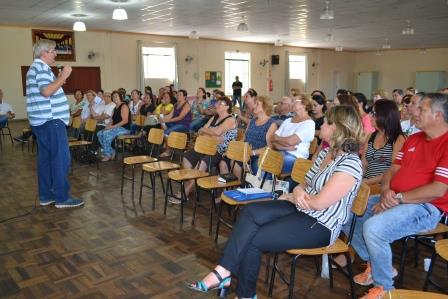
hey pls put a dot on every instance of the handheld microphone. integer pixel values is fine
(59, 67)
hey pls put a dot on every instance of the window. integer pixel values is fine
(159, 63)
(297, 67)
(237, 64)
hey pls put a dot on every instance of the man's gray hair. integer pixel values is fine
(439, 102)
(43, 45)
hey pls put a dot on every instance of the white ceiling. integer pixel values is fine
(358, 24)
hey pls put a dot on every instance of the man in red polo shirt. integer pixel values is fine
(414, 196)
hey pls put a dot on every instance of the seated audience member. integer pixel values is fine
(105, 117)
(320, 93)
(93, 104)
(126, 97)
(312, 215)
(362, 108)
(78, 105)
(201, 113)
(319, 108)
(383, 144)
(221, 126)
(160, 96)
(379, 95)
(283, 110)
(397, 96)
(135, 103)
(294, 92)
(152, 96)
(6, 112)
(411, 90)
(408, 126)
(404, 112)
(258, 133)
(120, 125)
(165, 107)
(146, 109)
(414, 196)
(295, 134)
(100, 94)
(245, 114)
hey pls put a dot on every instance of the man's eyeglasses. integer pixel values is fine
(52, 51)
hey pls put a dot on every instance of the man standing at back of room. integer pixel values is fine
(237, 86)
(48, 114)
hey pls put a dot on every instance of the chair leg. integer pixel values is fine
(268, 269)
(218, 223)
(330, 270)
(183, 200)
(141, 187)
(292, 276)
(431, 267)
(122, 177)
(133, 180)
(404, 252)
(350, 274)
(161, 181)
(316, 264)
(416, 253)
(212, 206)
(168, 186)
(274, 270)
(152, 177)
(196, 203)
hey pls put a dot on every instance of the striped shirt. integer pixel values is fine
(41, 109)
(378, 160)
(336, 215)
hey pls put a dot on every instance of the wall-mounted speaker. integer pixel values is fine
(275, 59)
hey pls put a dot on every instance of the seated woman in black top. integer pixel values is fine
(146, 109)
(121, 123)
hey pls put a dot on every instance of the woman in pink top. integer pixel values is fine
(365, 117)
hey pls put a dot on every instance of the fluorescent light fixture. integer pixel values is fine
(79, 26)
(278, 43)
(338, 48)
(328, 13)
(386, 44)
(119, 14)
(408, 29)
(193, 35)
(329, 37)
(242, 27)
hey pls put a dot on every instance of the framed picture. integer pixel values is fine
(65, 42)
(213, 79)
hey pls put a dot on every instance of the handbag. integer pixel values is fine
(268, 185)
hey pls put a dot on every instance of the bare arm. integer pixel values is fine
(218, 131)
(186, 108)
(288, 141)
(56, 84)
(124, 117)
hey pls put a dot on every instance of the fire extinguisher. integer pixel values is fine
(270, 84)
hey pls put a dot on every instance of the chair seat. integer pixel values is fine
(442, 248)
(78, 143)
(186, 174)
(338, 247)
(121, 137)
(138, 160)
(284, 175)
(232, 202)
(69, 138)
(160, 166)
(440, 229)
(411, 294)
(212, 182)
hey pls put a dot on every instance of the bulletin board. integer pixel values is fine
(213, 79)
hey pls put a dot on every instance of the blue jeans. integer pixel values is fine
(174, 127)
(106, 136)
(53, 160)
(288, 162)
(198, 123)
(135, 128)
(375, 232)
(3, 121)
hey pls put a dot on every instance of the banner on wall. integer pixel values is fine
(213, 79)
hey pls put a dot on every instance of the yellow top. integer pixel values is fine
(168, 109)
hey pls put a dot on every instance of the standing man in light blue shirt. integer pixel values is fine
(48, 114)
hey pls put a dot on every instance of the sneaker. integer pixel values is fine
(366, 279)
(46, 202)
(70, 203)
(174, 201)
(374, 293)
(19, 139)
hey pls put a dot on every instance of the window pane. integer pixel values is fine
(237, 64)
(159, 63)
(297, 67)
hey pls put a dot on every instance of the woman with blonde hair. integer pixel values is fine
(312, 215)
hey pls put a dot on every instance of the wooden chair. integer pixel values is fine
(75, 128)
(74, 145)
(122, 140)
(339, 247)
(441, 229)
(205, 145)
(273, 164)
(441, 248)
(177, 142)
(411, 294)
(299, 170)
(8, 133)
(238, 151)
(155, 139)
(313, 147)
(240, 135)
(375, 189)
(140, 120)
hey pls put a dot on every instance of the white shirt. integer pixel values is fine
(409, 129)
(96, 105)
(5, 108)
(134, 107)
(109, 110)
(304, 130)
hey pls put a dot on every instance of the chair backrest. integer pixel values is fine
(237, 149)
(177, 140)
(76, 122)
(299, 170)
(90, 125)
(206, 145)
(313, 146)
(273, 162)
(140, 120)
(240, 134)
(155, 136)
(360, 203)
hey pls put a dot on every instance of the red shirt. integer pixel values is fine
(422, 161)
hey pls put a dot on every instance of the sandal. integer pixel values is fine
(200, 286)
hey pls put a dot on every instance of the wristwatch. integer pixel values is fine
(399, 197)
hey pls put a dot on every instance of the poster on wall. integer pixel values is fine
(65, 42)
(213, 79)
